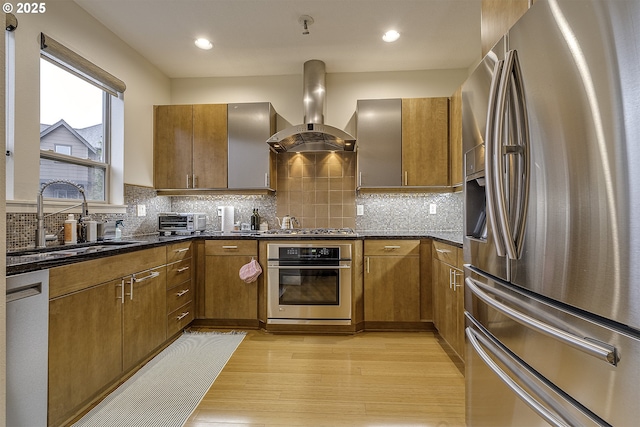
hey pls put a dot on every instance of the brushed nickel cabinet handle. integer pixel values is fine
(181, 250)
(406, 178)
(182, 292)
(443, 251)
(368, 264)
(391, 247)
(147, 277)
(182, 316)
(180, 270)
(230, 247)
(188, 181)
(121, 297)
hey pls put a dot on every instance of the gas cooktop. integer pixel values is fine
(324, 232)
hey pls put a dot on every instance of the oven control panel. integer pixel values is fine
(308, 253)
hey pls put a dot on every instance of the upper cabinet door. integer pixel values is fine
(250, 159)
(210, 146)
(172, 140)
(425, 142)
(379, 143)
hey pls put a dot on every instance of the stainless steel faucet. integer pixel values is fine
(40, 230)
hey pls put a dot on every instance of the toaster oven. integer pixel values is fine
(178, 223)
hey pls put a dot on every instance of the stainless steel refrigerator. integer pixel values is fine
(551, 134)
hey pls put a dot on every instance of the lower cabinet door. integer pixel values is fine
(392, 288)
(226, 295)
(85, 347)
(145, 316)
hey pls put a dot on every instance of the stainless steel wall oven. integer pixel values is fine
(309, 283)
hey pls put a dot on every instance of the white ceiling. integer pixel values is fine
(263, 37)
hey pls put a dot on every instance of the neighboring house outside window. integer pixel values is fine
(84, 144)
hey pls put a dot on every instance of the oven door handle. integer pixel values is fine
(308, 267)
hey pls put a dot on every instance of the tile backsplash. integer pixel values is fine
(316, 188)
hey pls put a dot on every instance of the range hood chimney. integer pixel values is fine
(313, 135)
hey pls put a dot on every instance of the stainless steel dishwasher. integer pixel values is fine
(27, 348)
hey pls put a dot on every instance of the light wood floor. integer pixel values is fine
(368, 379)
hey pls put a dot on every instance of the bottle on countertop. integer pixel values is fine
(119, 227)
(255, 223)
(255, 220)
(70, 230)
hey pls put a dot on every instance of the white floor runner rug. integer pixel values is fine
(166, 390)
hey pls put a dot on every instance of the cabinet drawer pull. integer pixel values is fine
(391, 247)
(230, 247)
(181, 250)
(182, 292)
(443, 251)
(180, 270)
(147, 277)
(406, 178)
(182, 316)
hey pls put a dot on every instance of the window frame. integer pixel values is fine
(106, 143)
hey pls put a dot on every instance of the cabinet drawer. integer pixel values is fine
(231, 247)
(178, 252)
(179, 296)
(448, 254)
(391, 247)
(178, 272)
(179, 318)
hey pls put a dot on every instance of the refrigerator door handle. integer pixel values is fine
(606, 353)
(497, 156)
(522, 150)
(559, 416)
(490, 148)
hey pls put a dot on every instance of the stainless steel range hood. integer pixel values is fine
(313, 135)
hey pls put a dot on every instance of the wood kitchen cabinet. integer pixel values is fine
(229, 300)
(180, 287)
(425, 142)
(448, 295)
(105, 317)
(455, 138)
(85, 347)
(391, 282)
(190, 146)
(403, 142)
(144, 325)
(498, 16)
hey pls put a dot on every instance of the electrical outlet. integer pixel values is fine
(432, 209)
(142, 210)
(359, 210)
(219, 211)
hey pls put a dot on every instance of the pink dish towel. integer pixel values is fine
(250, 271)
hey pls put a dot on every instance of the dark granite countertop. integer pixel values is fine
(27, 260)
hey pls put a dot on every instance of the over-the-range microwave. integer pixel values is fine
(177, 223)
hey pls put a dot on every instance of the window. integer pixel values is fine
(62, 149)
(75, 123)
(72, 143)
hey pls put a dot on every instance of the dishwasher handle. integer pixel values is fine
(27, 291)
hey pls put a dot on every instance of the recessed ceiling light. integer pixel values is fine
(204, 44)
(391, 36)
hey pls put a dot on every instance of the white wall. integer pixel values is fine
(146, 85)
(343, 90)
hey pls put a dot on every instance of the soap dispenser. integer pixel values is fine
(70, 230)
(119, 227)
